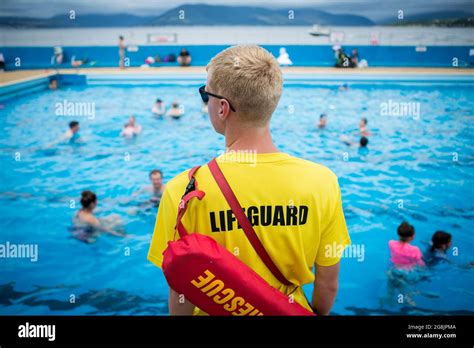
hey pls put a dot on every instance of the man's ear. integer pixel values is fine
(224, 109)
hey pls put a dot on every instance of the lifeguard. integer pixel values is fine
(294, 205)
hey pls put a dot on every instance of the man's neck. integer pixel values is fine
(257, 139)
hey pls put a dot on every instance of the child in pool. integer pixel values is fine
(404, 255)
(440, 243)
(437, 252)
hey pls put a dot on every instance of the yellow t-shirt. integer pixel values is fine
(294, 206)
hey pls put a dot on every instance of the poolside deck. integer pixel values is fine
(12, 77)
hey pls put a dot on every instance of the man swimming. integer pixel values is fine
(323, 120)
(176, 111)
(159, 108)
(363, 127)
(157, 187)
(53, 84)
(87, 225)
(363, 142)
(131, 128)
(156, 190)
(72, 134)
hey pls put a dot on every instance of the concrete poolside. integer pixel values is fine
(12, 77)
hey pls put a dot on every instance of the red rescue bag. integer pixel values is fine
(211, 277)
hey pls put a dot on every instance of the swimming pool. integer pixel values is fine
(418, 167)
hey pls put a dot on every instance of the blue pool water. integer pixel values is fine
(409, 158)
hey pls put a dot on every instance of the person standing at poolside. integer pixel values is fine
(268, 184)
(122, 47)
(184, 58)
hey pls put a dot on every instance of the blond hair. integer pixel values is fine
(250, 78)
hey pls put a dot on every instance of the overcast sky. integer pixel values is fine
(375, 10)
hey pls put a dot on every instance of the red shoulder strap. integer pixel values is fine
(191, 192)
(244, 221)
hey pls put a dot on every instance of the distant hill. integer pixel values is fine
(208, 15)
(245, 15)
(445, 19)
(81, 21)
(199, 14)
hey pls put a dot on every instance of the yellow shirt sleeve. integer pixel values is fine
(334, 235)
(164, 228)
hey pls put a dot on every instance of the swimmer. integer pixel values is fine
(323, 120)
(363, 142)
(176, 111)
(344, 87)
(156, 188)
(72, 134)
(440, 243)
(87, 224)
(159, 108)
(75, 63)
(53, 84)
(404, 255)
(363, 127)
(131, 128)
(438, 250)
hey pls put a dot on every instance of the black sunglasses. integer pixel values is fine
(205, 96)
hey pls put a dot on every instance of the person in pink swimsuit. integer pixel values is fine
(403, 255)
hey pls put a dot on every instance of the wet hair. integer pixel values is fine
(365, 120)
(159, 100)
(322, 116)
(175, 105)
(439, 239)
(87, 198)
(364, 141)
(121, 37)
(405, 231)
(73, 124)
(155, 171)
